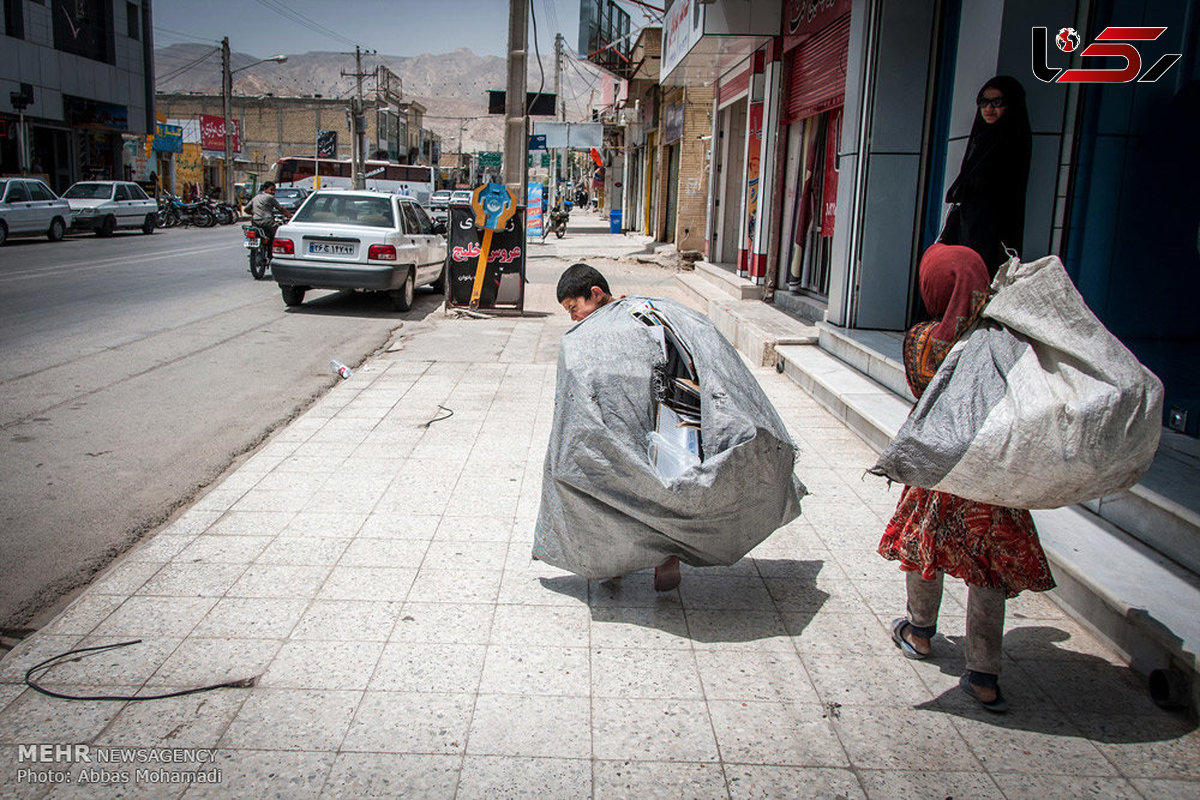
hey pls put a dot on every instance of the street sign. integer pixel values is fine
(373, 172)
(537, 142)
(490, 158)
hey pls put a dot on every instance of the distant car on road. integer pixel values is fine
(29, 208)
(290, 197)
(461, 197)
(439, 205)
(359, 240)
(105, 206)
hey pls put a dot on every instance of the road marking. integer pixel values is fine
(51, 270)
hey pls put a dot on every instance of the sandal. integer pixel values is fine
(898, 626)
(666, 575)
(997, 706)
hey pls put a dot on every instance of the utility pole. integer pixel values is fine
(516, 119)
(560, 114)
(358, 123)
(227, 109)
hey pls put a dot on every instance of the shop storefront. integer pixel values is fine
(816, 39)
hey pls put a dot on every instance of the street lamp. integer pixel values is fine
(227, 108)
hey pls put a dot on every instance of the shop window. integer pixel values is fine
(131, 21)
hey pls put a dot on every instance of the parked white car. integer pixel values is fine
(359, 240)
(29, 208)
(105, 206)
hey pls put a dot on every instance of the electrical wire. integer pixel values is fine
(62, 658)
(538, 55)
(159, 28)
(300, 19)
(186, 67)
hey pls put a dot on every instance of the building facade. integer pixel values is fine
(75, 77)
(270, 127)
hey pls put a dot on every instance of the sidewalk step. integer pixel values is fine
(754, 328)
(727, 282)
(867, 407)
(1144, 604)
(876, 354)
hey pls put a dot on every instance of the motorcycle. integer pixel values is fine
(557, 222)
(173, 211)
(225, 213)
(258, 242)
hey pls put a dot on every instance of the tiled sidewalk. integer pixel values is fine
(372, 567)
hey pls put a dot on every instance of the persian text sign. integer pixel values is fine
(682, 29)
(212, 133)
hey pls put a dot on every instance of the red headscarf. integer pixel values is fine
(954, 286)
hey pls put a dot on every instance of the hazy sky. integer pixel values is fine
(390, 27)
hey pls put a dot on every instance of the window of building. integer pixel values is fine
(85, 28)
(131, 20)
(14, 18)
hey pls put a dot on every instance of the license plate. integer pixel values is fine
(330, 249)
(250, 243)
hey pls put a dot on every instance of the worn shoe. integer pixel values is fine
(996, 706)
(666, 575)
(898, 626)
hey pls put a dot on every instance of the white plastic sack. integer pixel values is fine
(1038, 407)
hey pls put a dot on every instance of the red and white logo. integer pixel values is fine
(1113, 42)
(1067, 40)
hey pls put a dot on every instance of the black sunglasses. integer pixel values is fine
(994, 102)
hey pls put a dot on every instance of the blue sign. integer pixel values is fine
(533, 213)
(168, 138)
(537, 142)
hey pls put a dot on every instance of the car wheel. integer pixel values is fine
(3, 233)
(402, 298)
(292, 295)
(107, 226)
(440, 284)
(150, 224)
(57, 229)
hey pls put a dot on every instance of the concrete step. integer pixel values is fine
(753, 327)
(876, 354)
(1145, 605)
(729, 283)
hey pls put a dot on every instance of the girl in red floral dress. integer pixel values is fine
(994, 549)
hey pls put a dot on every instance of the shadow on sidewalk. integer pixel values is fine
(1060, 692)
(754, 600)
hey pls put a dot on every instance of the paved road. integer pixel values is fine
(135, 370)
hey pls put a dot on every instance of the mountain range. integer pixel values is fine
(452, 86)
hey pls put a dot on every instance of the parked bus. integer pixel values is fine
(384, 176)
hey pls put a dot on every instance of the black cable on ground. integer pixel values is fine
(62, 658)
(449, 414)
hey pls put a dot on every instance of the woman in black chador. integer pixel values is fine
(989, 193)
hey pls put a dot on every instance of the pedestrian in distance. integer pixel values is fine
(993, 549)
(988, 196)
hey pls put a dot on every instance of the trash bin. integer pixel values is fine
(614, 221)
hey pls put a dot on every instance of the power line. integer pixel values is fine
(300, 19)
(187, 67)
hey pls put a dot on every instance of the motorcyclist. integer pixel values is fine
(263, 208)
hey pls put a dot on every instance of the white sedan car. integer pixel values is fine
(104, 206)
(359, 240)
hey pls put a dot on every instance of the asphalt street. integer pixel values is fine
(136, 369)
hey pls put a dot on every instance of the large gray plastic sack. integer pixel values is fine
(1038, 407)
(604, 509)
